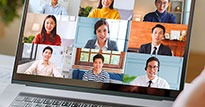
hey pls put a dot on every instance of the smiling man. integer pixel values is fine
(160, 15)
(151, 79)
(53, 8)
(44, 67)
(156, 47)
(97, 74)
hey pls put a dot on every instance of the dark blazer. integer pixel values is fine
(160, 17)
(112, 45)
(163, 50)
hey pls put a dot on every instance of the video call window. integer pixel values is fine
(129, 33)
(120, 9)
(113, 59)
(117, 32)
(174, 37)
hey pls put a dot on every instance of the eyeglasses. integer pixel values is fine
(152, 67)
(161, 3)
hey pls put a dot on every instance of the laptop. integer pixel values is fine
(72, 52)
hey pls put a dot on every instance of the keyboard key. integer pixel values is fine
(30, 99)
(17, 104)
(39, 100)
(57, 102)
(20, 98)
(30, 105)
(48, 101)
(40, 105)
(66, 103)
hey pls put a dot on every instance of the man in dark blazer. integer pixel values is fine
(156, 47)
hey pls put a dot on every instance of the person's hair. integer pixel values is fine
(100, 5)
(53, 32)
(98, 56)
(159, 26)
(152, 59)
(100, 23)
(49, 48)
(156, 0)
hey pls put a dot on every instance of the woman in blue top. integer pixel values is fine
(102, 41)
(160, 15)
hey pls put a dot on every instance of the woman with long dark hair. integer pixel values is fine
(48, 32)
(102, 41)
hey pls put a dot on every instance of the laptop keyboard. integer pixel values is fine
(33, 100)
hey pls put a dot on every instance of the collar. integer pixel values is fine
(104, 47)
(42, 62)
(54, 6)
(153, 81)
(105, 9)
(156, 46)
(161, 14)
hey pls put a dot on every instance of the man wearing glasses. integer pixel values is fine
(151, 79)
(160, 15)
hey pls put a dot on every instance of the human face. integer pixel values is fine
(157, 35)
(152, 69)
(49, 25)
(47, 55)
(161, 5)
(54, 2)
(102, 33)
(97, 65)
(106, 3)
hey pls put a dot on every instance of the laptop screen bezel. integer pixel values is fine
(84, 86)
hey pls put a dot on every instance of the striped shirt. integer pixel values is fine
(103, 76)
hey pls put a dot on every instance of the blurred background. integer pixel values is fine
(9, 30)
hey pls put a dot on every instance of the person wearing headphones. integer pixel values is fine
(102, 42)
(151, 79)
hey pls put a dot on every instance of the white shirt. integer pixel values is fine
(49, 9)
(44, 69)
(152, 48)
(157, 82)
(104, 47)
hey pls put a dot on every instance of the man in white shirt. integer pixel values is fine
(151, 79)
(156, 47)
(44, 67)
(53, 8)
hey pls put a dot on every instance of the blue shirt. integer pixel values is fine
(49, 9)
(160, 17)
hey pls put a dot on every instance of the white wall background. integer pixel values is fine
(64, 27)
(72, 6)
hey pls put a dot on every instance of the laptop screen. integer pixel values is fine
(122, 47)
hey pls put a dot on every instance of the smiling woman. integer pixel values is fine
(8, 10)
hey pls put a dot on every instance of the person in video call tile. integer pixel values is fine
(105, 10)
(102, 42)
(53, 8)
(48, 32)
(97, 74)
(44, 67)
(160, 15)
(156, 47)
(151, 79)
